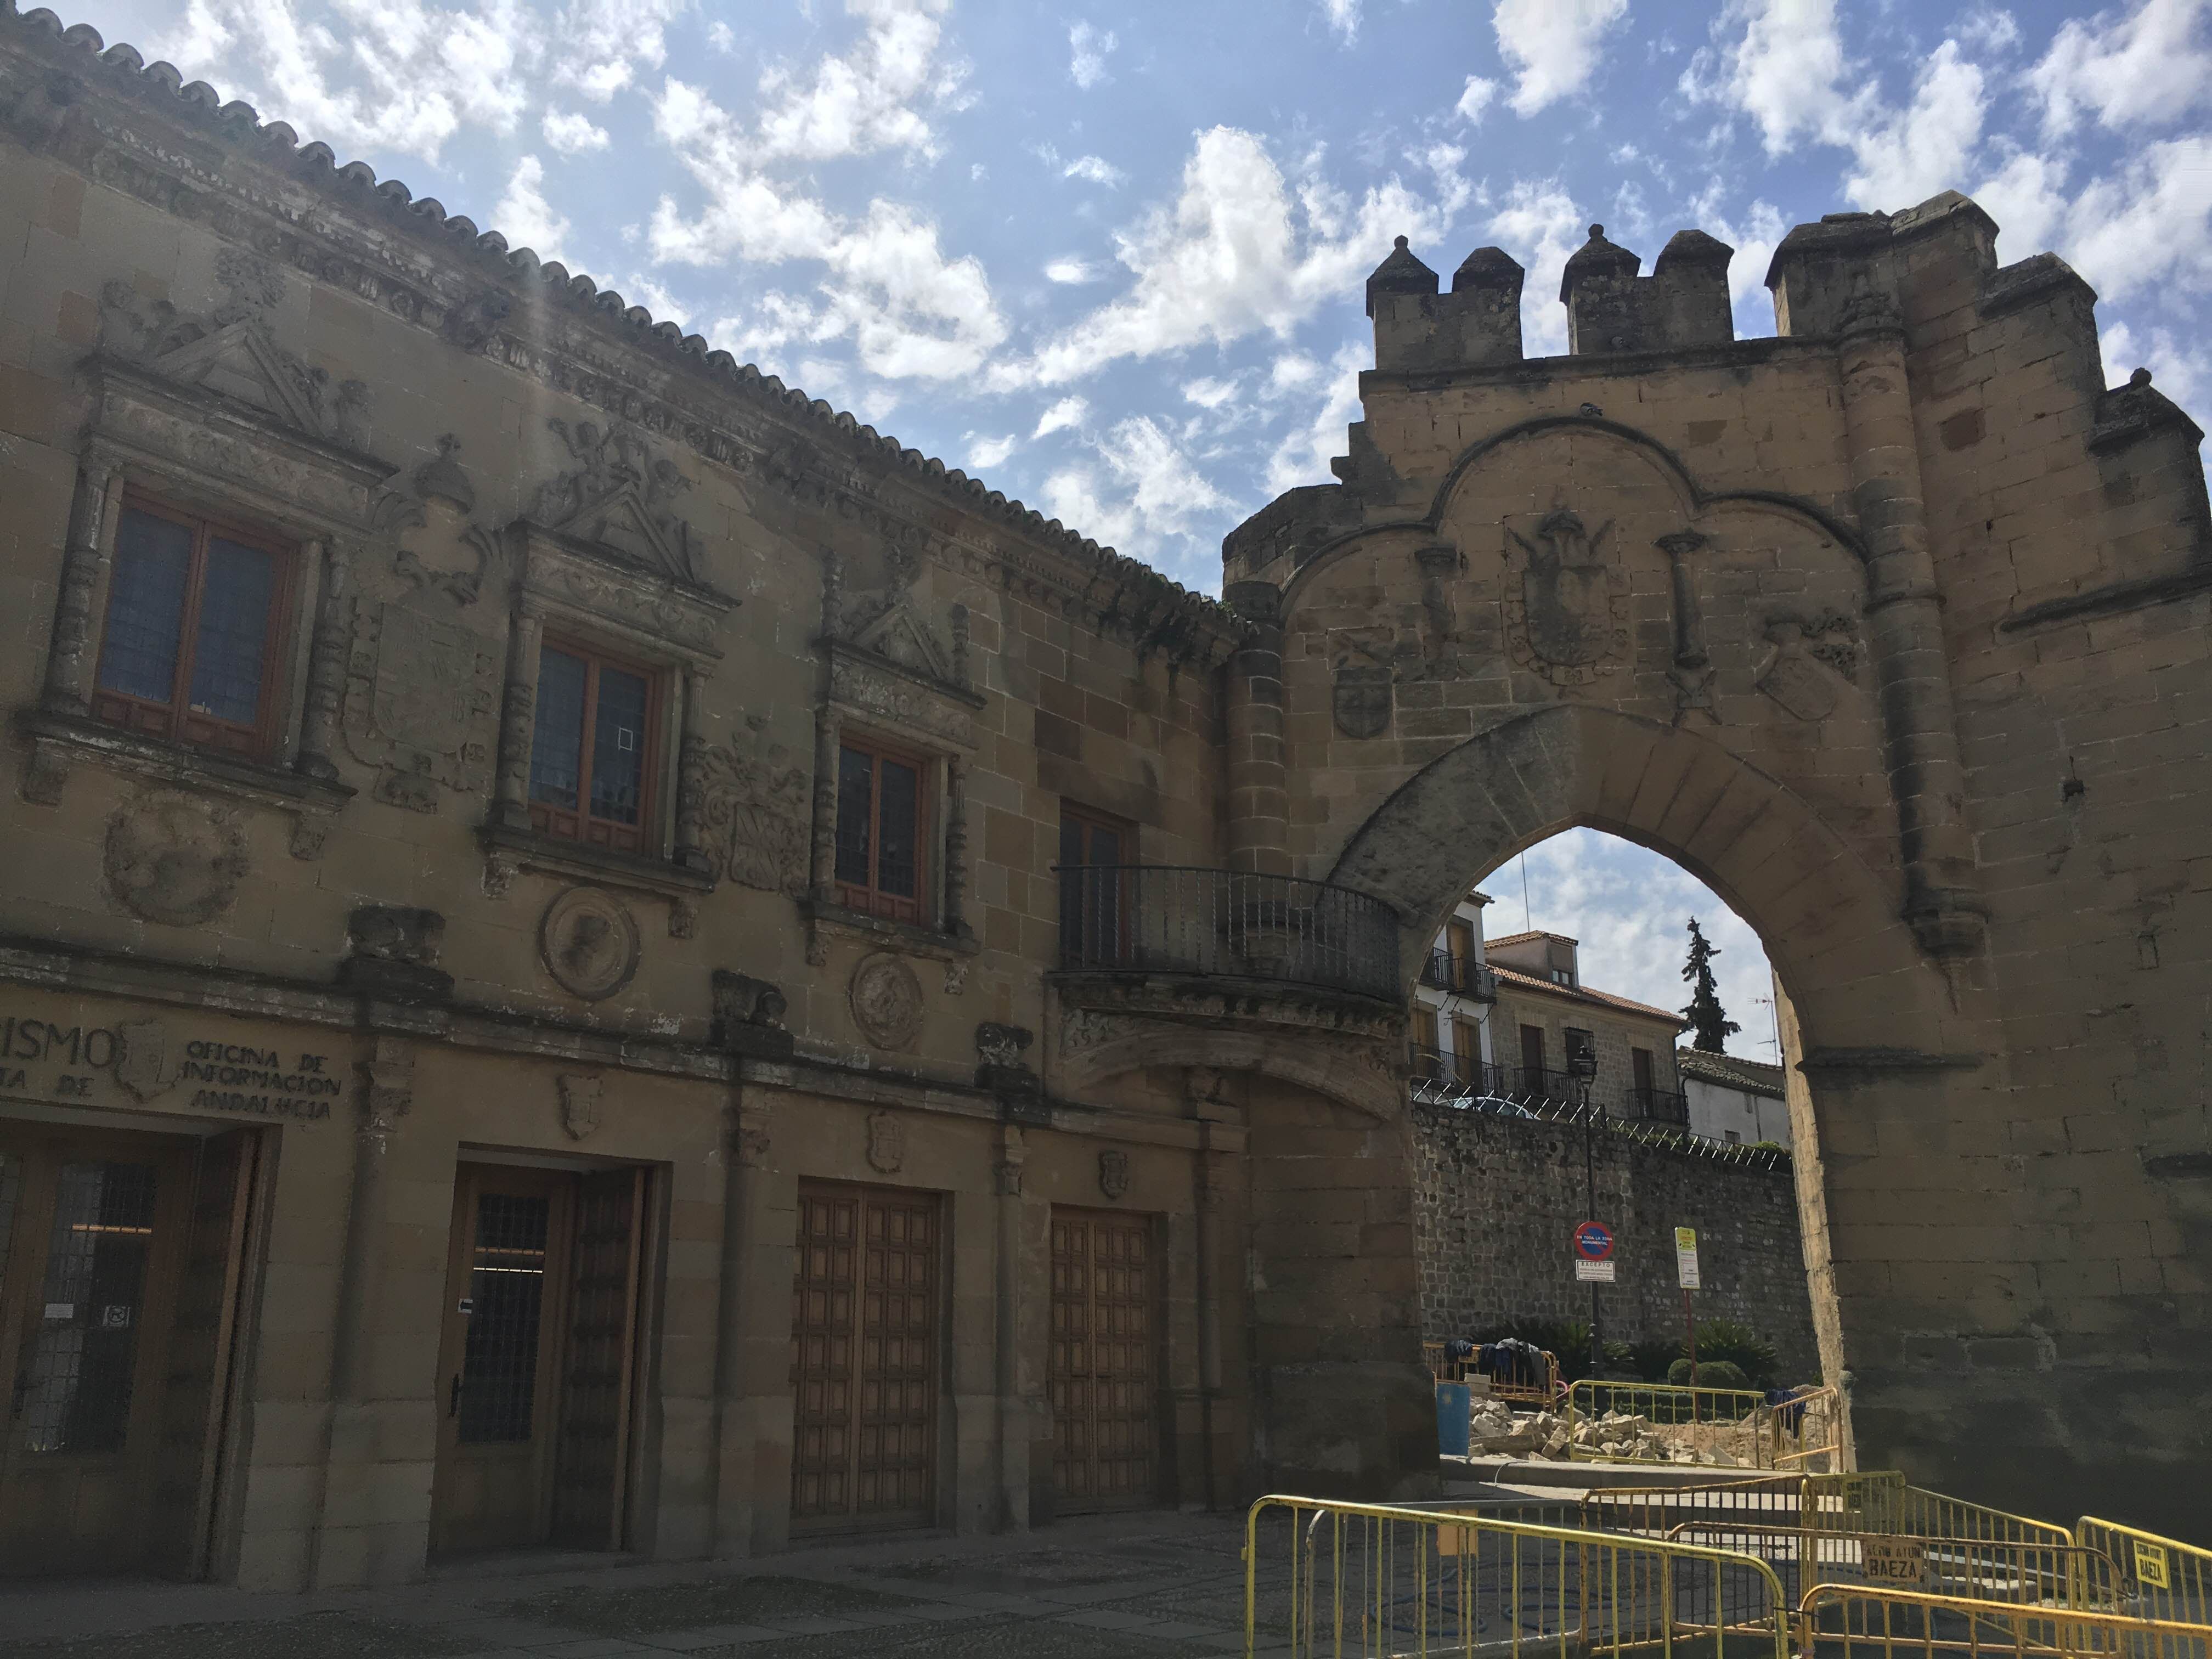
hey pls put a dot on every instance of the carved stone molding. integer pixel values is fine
(174, 858)
(621, 496)
(886, 1001)
(589, 943)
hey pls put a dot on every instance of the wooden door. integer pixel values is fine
(1461, 937)
(864, 1357)
(92, 1235)
(506, 1282)
(1102, 1376)
(1532, 1059)
(599, 1376)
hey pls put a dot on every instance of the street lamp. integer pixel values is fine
(1581, 1068)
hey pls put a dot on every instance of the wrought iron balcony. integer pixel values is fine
(1174, 919)
(1440, 1074)
(1659, 1105)
(1445, 971)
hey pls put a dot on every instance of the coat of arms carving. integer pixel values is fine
(1566, 616)
(579, 1102)
(1361, 696)
(886, 1143)
(1797, 671)
(143, 1064)
(1113, 1172)
(421, 689)
(754, 807)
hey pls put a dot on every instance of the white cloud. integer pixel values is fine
(573, 134)
(1783, 73)
(524, 218)
(1210, 393)
(2150, 222)
(1291, 371)
(1088, 49)
(1343, 16)
(1234, 254)
(1552, 45)
(1095, 170)
(599, 45)
(1072, 272)
(867, 100)
(988, 452)
(2151, 65)
(405, 78)
(719, 37)
(1541, 226)
(2026, 198)
(1149, 490)
(1909, 155)
(1988, 29)
(2182, 372)
(1754, 238)
(1067, 412)
(1303, 455)
(1475, 99)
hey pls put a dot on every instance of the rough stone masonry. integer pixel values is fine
(1893, 626)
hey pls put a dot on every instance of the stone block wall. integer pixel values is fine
(1496, 1200)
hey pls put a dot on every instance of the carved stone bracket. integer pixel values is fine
(748, 1016)
(1691, 673)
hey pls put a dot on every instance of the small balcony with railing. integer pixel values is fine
(1448, 970)
(1657, 1105)
(1182, 922)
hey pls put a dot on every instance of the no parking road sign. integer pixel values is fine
(1593, 1252)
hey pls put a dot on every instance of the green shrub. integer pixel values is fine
(1711, 1373)
(1740, 1346)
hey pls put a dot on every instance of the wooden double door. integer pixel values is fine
(121, 1255)
(539, 1359)
(1102, 1373)
(865, 1368)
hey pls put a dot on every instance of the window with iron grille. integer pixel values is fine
(190, 649)
(591, 754)
(882, 800)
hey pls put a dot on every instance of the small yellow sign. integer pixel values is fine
(2150, 1566)
(1686, 1238)
(1900, 1562)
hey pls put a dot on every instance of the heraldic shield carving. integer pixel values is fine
(421, 689)
(1566, 619)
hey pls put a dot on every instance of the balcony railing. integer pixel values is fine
(1659, 1105)
(1172, 919)
(1445, 971)
(1438, 1075)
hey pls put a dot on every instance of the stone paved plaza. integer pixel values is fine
(1151, 1585)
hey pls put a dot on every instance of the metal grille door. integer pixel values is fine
(864, 1357)
(1101, 1373)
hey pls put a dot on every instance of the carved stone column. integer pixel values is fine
(1905, 625)
(1259, 781)
(1692, 675)
(518, 719)
(740, 1431)
(1013, 1414)
(821, 866)
(67, 670)
(387, 1092)
(327, 657)
(956, 844)
(691, 773)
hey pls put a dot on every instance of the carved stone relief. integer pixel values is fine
(886, 1001)
(753, 813)
(859, 684)
(1361, 695)
(886, 1143)
(421, 688)
(1567, 600)
(174, 859)
(621, 493)
(579, 1102)
(230, 351)
(1692, 672)
(1113, 1172)
(1809, 663)
(589, 943)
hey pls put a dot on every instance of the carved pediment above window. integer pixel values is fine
(620, 496)
(887, 661)
(564, 577)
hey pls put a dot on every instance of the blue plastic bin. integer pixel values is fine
(1453, 1409)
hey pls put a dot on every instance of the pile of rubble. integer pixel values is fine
(1495, 1429)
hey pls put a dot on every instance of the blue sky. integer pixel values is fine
(1111, 257)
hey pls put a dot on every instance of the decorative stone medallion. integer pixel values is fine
(886, 1001)
(886, 1143)
(1113, 1172)
(1566, 605)
(174, 859)
(589, 943)
(579, 1102)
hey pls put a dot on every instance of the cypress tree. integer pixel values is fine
(1705, 1013)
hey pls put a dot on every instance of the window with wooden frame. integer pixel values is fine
(192, 648)
(594, 750)
(1095, 887)
(1428, 1058)
(882, 808)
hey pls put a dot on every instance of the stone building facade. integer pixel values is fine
(1546, 1015)
(539, 1005)
(1733, 1099)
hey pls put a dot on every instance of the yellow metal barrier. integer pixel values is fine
(1838, 1621)
(1721, 1428)
(1871, 1528)
(2165, 1578)
(1358, 1580)
(1544, 1392)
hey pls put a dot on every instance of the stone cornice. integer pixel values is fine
(135, 128)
